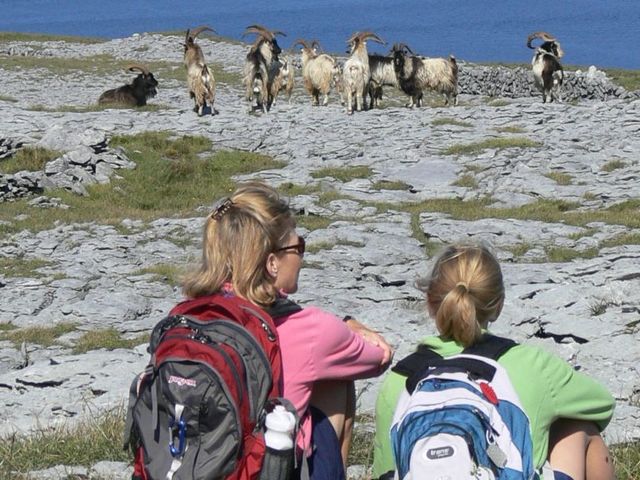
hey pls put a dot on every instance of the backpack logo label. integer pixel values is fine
(182, 382)
(441, 452)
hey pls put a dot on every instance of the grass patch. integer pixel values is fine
(498, 102)
(164, 272)
(510, 129)
(600, 307)
(344, 174)
(150, 107)
(314, 222)
(44, 336)
(491, 143)
(41, 37)
(451, 121)
(612, 165)
(559, 177)
(467, 181)
(626, 460)
(391, 185)
(290, 189)
(623, 239)
(564, 254)
(519, 249)
(18, 267)
(629, 79)
(7, 327)
(544, 210)
(97, 438)
(6, 98)
(31, 159)
(328, 245)
(109, 339)
(361, 452)
(172, 178)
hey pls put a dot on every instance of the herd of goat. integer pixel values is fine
(268, 72)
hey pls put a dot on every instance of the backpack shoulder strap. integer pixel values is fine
(283, 307)
(490, 346)
(414, 364)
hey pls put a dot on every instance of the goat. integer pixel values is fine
(382, 74)
(263, 52)
(317, 71)
(548, 74)
(200, 81)
(281, 78)
(134, 94)
(356, 72)
(416, 74)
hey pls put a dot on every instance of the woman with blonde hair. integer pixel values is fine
(567, 410)
(251, 250)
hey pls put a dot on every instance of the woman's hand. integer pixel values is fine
(372, 337)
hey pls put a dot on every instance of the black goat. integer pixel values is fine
(134, 94)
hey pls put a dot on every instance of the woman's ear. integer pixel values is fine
(272, 265)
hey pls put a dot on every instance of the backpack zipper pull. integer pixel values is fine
(266, 328)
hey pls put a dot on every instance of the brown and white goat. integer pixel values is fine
(548, 74)
(281, 78)
(263, 53)
(416, 74)
(356, 72)
(200, 81)
(134, 94)
(317, 71)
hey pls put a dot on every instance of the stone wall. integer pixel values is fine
(498, 81)
(84, 165)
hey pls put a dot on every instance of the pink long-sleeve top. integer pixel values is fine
(317, 345)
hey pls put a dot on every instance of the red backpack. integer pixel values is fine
(197, 410)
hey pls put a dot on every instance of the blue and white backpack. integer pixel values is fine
(460, 417)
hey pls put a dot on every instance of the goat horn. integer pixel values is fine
(301, 42)
(278, 32)
(199, 30)
(365, 35)
(353, 37)
(136, 66)
(259, 30)
(542, 36)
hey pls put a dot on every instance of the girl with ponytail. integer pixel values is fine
(567, 410)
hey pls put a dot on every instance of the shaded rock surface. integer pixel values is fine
(586, 310)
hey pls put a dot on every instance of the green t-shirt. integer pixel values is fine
(548, 387)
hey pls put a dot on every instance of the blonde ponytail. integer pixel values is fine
(464, 293)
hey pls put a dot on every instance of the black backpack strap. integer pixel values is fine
(490, 346)
(414, 364)
(282, 307)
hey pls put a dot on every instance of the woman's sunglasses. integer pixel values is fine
(299, 247)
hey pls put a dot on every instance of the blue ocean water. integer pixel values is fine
(592, 32)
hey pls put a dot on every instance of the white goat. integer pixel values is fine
(356, 72)
(416, 74)
(317, 72)
(548, 74)
(263, 52)
(200, 80)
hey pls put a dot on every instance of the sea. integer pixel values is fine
(592, 32)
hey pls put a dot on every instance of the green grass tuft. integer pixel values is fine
(614, 164)
(31, 159)
(560, 178)
(467, 181)
(491, 143)
(109, 339)
(44, 336)
(344, 174)
(164, 272)
(173, 177)
(21, 267)
(451, 121)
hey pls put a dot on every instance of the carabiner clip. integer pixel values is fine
(181, 426)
